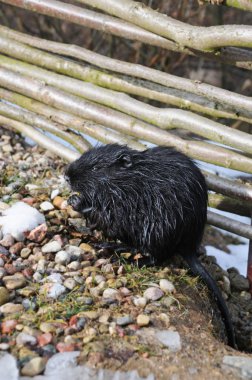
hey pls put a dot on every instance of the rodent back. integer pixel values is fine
(154, 200)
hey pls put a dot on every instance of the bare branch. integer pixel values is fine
(222, 202)
(196, 37)
(97, 131)
(121, 122)
(164, 118)
(228, 187)
(238, 57)
(230, 225)
(41, 139)
(121, 67)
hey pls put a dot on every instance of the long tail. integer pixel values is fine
(198, 270)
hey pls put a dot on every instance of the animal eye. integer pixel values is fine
(125, 161)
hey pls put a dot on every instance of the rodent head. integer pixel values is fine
(98, 165)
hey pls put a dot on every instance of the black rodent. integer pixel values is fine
(155, 201)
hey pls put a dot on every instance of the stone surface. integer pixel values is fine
(8, 366)
(16, 281)
(153, 293)
(143, 320)
(62, 257)
(61, 361)
(52, 246)
(170, 339)
(125, 320)
(110, 293)
(24, 338)
(11, 308)
(140, 301)
(167, 286)
(240, 365)
(4, 295)
(34, 367)
(46, 206)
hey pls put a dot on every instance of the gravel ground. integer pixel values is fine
(66, 305)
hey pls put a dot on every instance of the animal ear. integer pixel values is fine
(125, 160)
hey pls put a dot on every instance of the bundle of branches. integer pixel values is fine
(72, 92)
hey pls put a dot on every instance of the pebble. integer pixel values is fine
(8, 326)
(52, 246)
(41, 266)
(24, 338)
(170, 339)
(52, 290)
(1, 262)
(16, 281)
(54, 194)
(140, 301)
(74, 265)
(34, 367)
(62, 257)
(70, 283)
(46, 206)
(153, 293)
(11, 308)
(37, 277)
(240, 365)
(239, 282)
(143, 320)
(4, 346)
(38, 233)
(60, 362)
(8, 365)
(25, 252)
(15, 249)
(86, 247)
(168, 301)
(44, 339)
(2, 273)
(167, 286)
(7, 241)
(110, 293)
(125, 320)
(4, 295)
(73, 251)
(55, 277)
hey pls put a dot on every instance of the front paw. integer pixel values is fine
(75, 201)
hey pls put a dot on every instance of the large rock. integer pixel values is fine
(8, 367)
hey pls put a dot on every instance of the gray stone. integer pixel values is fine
(34, 367)
(52, 246)
(62, 257)
(170, 339)
(110, 293)
(140, 301)
(61, 361)
(153, 293)
(8, 366)
(240, 365)
(24, 338)
(125, 320)
(239, 282)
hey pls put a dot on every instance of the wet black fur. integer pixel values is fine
(155, 201)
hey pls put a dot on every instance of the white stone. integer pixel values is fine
(24, 338)
(240, 365)
(8, 367)
(60, 362)
(54, 193)
(62, 257)
(46, 206)
(56, 290)
(110, 293)
(52, 246)
(170, 339)
(54, 277)
(70, 283)
(153, 293)
(167, 286)
(140, 301)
